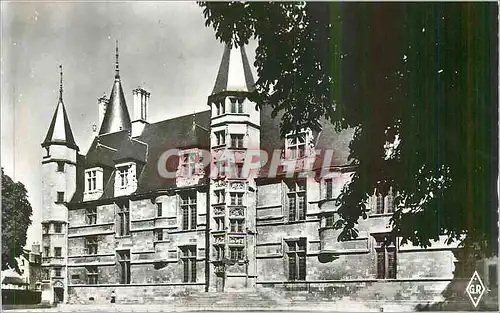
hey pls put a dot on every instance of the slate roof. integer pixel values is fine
(107, 150)
(12, 280)
(60, 130)
(227, 69)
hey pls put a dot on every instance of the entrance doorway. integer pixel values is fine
(219, 282)
(58, 295)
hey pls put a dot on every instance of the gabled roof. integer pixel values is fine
(59, 132)
(234, 73)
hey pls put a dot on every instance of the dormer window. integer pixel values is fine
(188, 163)
(236, 105)
(125, 178)
(122, 176)
(296, 145)
(91, 180)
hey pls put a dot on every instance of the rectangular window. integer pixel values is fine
(297, 201)
(122, 176)
(92, 275)
(237, 225)
(236, 141)
(159, 234)
(221, 108)
(124, 263)
(220, 196)
(385, 203)
(189, 263)
(386, 257)
(329, 188)
(91, 216)
(296, 255)
(159, 209)
(60, 167)
(220, 138)
(189, 212)
(91, 245)
(91, 180)
(219, 253)
(219, 222)
(236, 198)
(296, 145)
(45, 228)
(123, 220)
(57, 272)
(58, 252)
(236, 105)
(60, 196)
(236, 253)
(188, 163)
(46, 251)
(329, 221)
(58, 228)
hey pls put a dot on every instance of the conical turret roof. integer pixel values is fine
(116, 117)
(235, 73)
(59, 132)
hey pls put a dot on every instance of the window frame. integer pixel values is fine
(123, 179)
(296, 254)
(237, 196)
(91, 216)
(189, 210)
(385, 248)
(56, 250)
(296, 201)
(296, 145)
(123, 257)
(58, 229)
(237, 141)
(60, 197)
(92, 273)
(159, 209)
(60, 166)
(220, 138)
(91, 245)
(188, 260)
(91, 180)
(122, 221)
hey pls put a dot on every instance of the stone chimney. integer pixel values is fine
(103, 104)
(139, 120)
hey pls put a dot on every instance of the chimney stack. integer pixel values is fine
(141, 97)
(103, 104)
(139, 121)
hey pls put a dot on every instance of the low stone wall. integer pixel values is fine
(129, 293)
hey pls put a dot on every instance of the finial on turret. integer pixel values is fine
(61, 81)
(117, 67)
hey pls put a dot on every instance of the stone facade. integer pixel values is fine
(125, 229)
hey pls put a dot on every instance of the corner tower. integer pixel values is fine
(58, 186)
(235, 128)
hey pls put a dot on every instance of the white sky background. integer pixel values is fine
(164, 46)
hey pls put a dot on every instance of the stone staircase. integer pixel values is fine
(207, 300)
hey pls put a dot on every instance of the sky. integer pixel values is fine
(164, 47)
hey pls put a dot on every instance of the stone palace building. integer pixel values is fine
(113, 223)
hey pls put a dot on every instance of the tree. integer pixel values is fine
(16, 214)
(418, 84)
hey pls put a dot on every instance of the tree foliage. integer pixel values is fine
(419, 76)
(16, 214)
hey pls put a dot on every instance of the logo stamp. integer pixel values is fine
(475, 289)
